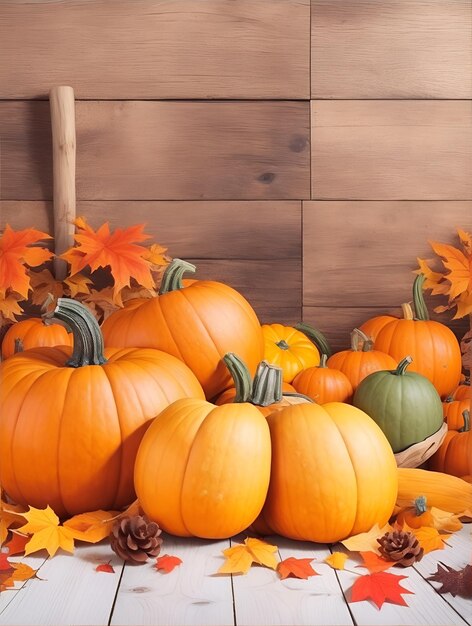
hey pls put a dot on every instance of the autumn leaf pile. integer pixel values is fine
(107, 268)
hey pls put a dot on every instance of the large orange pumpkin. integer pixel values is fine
(71, 422)
(203, 470)
(198, 323)
(34, 333)
(361, 360)
(328, 464)
(433, 346)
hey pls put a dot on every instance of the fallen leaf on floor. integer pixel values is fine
(374, 562)
(337, 560)
(47, 534)
(296, 568)
(379, 587)
(105, 567)
(366, 542)
(240, 557)
(455, 582)
(17, 544)
(23, 572)
(167, 563)
(429, 538)
(445, 521)
(92, 527)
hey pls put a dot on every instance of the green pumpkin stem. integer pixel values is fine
(88, 339)
(172, 278)
(323, 361)
(420, 505)
(282, 344)
(267, 384)
(466, 427)
(316, 337)
(357, 336)
(401, 367)
(240, 375)
(421, 311)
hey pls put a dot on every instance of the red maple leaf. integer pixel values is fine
(296, 568)
(166, 563)
(4, 562)
(105, 567)
(379, 587)
(17, 544)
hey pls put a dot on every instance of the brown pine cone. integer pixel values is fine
(400, 546)
(135, 539)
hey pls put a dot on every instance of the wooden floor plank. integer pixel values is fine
(190, 594)
(263, 599)
(34, 561)
(71, 591)
(457, 555)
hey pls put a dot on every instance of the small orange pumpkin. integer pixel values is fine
(454, 412)
(463, 391)
(374, 325)
(34, 332)
(361, 360)
(324, 384)
(455, 453)
(417, 515)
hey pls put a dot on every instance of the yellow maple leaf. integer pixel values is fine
(9, 306)
(22, 572)
(336, 560)
(155, 255)
(432, 278)
(47, 534)
(78, 283)
(445, 521)
(365, 542)
(92, 527)
(466, 240)
(239, 558)
(459, 267)
(3, 532)
(429, 538)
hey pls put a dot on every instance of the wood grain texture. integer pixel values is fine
(207, 230)
(386, 150)
(337, 322)
(364, 253)
(391, 49)
(155, 49)
(163, 150)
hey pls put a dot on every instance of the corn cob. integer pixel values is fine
(443, 491)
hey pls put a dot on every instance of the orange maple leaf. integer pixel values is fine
(117, 250)
(9, 307)
(374, 562)
(167, 563)
(459, 266)
(296, 568)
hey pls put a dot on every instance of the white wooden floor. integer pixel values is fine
(72, 592)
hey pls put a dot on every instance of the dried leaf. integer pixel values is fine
(92, 527)
(16, 253)
(155, 255)
(117, 250)
(105, 567)
(374, 562)
(43, 285)
(17, 544)
(240, 557)
(379, 587)
(296, 568)
(23, 572)
(455, 582)
(366, 542)
(102, 303)
(167, 563)
(9, 307)
(78, 283)
(47, 534)
(431, 278)
(337, 560)
(429, 538)
(445, 521)
(458, 265)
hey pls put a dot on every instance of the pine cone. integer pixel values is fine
(400, 546)
(135, 539)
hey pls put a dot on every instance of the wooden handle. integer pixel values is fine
(62, 106)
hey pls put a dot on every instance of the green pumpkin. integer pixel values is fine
(404, 404)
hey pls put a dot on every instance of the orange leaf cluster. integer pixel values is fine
(455, 280)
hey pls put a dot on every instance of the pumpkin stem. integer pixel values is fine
(241, 376)
(267, 384)
(88, 339)
(466, 427)
(421, 311)
(358, 335)
(316, 337)
(172, 277)
(420, 505)
(401, 367)
(323, 361)
(19, 346)
(407, 311)
(282, 344)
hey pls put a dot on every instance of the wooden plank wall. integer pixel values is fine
(302, 152)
